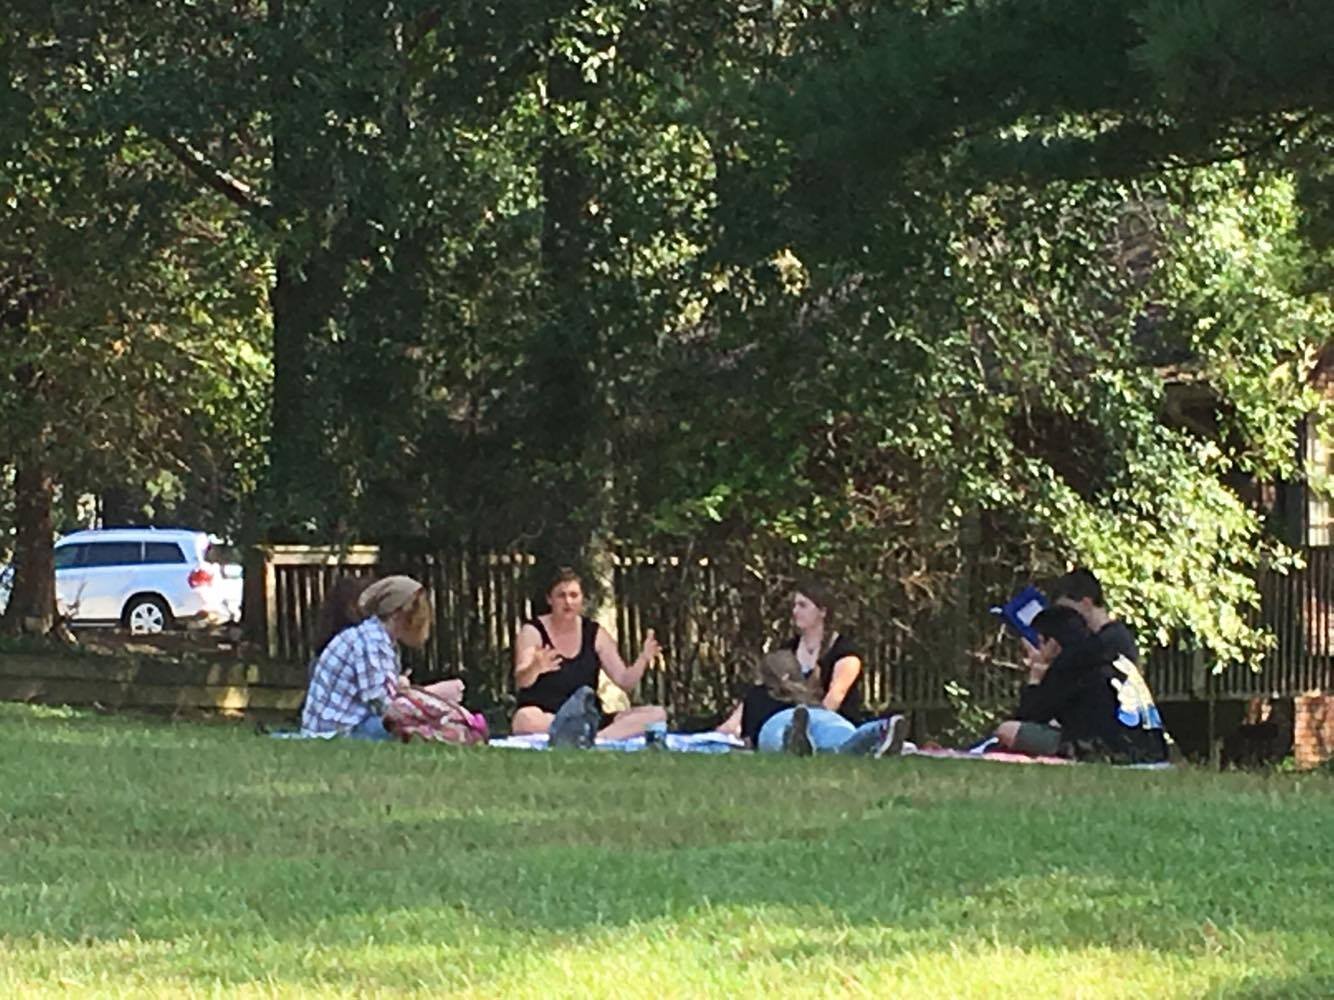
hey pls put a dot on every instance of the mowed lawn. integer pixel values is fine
(148, 858)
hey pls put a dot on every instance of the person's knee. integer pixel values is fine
(530, 719)
(1007, 732)
(653, 713)
(644, 714)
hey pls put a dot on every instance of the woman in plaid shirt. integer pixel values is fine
(356, 675)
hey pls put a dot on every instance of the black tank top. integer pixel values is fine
(550, 690)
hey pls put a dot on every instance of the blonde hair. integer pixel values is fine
(780, 674)
(415, 621)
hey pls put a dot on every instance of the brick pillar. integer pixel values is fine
(1313, 729)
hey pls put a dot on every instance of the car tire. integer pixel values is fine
(147, 614)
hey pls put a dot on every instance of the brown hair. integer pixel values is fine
(564, 574)
(818, 593)
(416, 621)
(1078, 584)
(339, 610)
(822, 596)
(780, 674)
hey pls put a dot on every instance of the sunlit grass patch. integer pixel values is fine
(167, 859)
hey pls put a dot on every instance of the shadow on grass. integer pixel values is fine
(482, 864)
(1281, 986)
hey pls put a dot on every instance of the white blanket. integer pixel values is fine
(679, 742)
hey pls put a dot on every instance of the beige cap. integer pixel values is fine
(383, 597)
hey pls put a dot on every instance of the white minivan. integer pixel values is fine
(147, 579)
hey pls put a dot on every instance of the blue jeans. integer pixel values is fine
(370, 728)
(828, 730)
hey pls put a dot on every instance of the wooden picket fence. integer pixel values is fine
(712, 619)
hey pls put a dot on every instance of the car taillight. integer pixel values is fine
(200, 578)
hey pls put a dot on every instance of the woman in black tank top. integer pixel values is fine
(549, 667)
(830, 658)
(550, 690)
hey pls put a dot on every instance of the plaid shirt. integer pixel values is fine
(358, 668)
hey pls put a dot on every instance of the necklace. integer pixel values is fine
(811, 647)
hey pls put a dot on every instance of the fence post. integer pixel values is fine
(1199, 673)
(270, 604)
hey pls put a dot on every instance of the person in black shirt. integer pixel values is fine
(1101, 706)
(782, 712)
(828, 658)
(558, 654)
(1080, 589)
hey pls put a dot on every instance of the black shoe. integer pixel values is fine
(575, 725)
(797, 736)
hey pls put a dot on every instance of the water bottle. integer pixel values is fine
(655, 736)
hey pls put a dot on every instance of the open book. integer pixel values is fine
(1020, 610)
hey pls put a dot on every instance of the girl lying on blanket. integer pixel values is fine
(815, 705)
(782, 712)
(830, 661)
(357, 687)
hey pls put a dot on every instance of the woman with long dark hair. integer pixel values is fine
(339, 610)
(831, 665)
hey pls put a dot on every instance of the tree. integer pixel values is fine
(1031, 92)
(129, 314)
(985, 370)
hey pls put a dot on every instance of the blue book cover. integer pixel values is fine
(1020, 610)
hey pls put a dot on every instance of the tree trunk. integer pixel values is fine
(303, 298)
(292, 481)
(32, 602)
(566, 425)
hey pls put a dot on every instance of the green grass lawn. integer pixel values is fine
(140, 857)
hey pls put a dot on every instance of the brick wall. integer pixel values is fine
(1313, 729)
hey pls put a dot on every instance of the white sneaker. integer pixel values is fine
(891, 743)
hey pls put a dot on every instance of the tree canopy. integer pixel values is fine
(932, 297)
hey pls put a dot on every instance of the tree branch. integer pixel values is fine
(236, 191)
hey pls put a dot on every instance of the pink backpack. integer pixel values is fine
(413, 712)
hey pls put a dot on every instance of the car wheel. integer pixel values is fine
(147, 615)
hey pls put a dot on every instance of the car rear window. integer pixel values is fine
(111, 553)
(67, 556)
(223, 555)
(163, 552)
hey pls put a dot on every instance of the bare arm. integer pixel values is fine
(625, 678)
(531, 658)
(845, 674)
(732, 724)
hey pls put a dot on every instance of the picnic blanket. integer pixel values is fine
(679, 742)
(995, 756)
(1002, 757)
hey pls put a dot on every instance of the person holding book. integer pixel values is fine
(1098, 700)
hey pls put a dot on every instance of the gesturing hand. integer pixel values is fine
(652, 650)
(546, 659)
